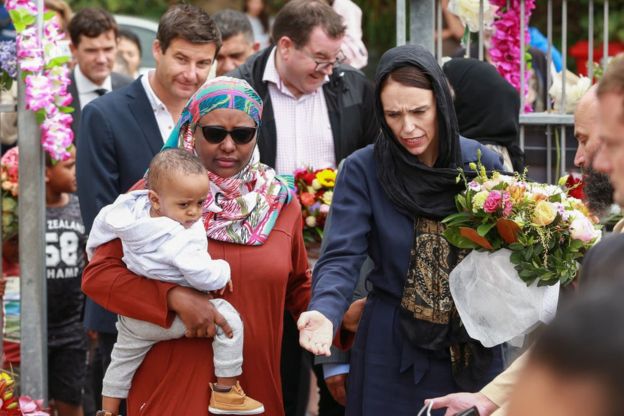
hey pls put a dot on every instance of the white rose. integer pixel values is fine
(582, 229)
(576, 87)
(468, 13)
(310, 221)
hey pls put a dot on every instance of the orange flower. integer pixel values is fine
(307, 199)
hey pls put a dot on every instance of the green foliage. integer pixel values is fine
(21, 19)
(557, 261)
(141, 8)
(5, 81)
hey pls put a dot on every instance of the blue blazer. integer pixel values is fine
(117, 138)
(365, 223)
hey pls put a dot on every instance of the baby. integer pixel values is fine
(163, 238)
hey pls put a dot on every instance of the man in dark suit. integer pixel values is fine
(93, 34)
(121, 131)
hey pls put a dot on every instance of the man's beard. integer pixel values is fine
(598, 191)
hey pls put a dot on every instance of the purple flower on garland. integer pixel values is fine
(8, 58)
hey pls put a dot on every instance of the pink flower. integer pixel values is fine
(46, 87)
(505, 48)
(38, 94)
(582, 229)
(493, 202)
(507, 204)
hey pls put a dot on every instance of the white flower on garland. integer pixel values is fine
(575, 88)
(468, 13)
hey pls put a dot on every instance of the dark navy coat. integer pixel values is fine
(388, 375)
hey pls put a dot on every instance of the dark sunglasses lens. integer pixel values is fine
(243, 135)
(214, 134)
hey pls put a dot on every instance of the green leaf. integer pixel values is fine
(454, 217)
(461, 201)
(21, 19)
(40, 116)
(453, 237)
(66, 110)
(516, 247)
(59, 60)
(516, 258)
(48, 15)
(483, 229)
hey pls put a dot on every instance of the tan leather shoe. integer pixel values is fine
(234, 402)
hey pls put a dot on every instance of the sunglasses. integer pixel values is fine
(216, 134)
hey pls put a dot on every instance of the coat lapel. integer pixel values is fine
(75, 104)
(144, 115)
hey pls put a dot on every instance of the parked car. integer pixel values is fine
(146, 31)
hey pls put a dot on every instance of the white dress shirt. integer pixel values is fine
(86, 88)
(163, 117)
(304, 134)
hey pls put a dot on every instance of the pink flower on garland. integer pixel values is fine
(505, 50)
(38, 93)
(47, 79)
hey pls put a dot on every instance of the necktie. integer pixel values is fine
(100, 91)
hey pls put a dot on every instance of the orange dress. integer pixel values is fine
(175, 375)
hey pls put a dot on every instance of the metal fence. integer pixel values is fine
(424, 18)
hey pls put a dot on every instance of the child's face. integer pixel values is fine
(61, 177)
(181, 198)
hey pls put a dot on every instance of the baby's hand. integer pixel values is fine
(229, 285)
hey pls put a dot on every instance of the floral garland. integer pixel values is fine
(505, 49)
(46, 77)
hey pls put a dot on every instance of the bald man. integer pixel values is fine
(598, 189)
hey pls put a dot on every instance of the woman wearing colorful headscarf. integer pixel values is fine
(258, 232)
(388, 202)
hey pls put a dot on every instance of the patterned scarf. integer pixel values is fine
(241, 209)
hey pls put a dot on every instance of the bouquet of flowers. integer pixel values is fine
(11, 405)
(315, 189)
(9, 188)
(528, 240)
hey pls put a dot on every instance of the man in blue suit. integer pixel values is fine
(120, 132)
(93, 33)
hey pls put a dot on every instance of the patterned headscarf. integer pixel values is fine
(241, 209)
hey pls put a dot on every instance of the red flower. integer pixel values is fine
(575, 187)
(308, 177)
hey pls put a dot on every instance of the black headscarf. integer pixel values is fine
(414, 188)
(427, 315)
(493, 120)
(487, 106)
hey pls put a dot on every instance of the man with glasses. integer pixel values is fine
(316, 111)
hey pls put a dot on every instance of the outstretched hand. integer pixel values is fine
(315, 333)
(458, 402)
